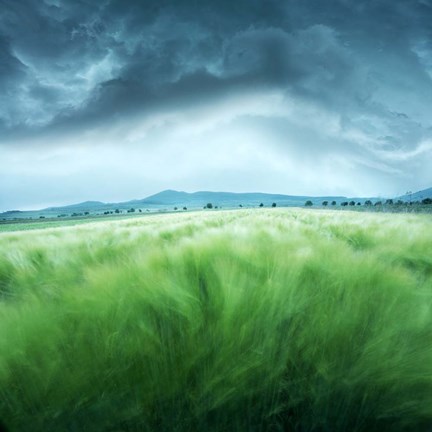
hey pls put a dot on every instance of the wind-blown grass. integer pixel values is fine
(262, 320)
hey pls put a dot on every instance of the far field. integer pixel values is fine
(247, 320)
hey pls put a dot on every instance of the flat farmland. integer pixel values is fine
(245, 320)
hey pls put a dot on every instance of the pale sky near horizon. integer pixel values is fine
(113, 100)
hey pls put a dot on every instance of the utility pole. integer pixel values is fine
(410, 195)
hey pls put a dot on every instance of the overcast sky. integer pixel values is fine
(113, 100)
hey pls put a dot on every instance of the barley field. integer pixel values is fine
(247, 320)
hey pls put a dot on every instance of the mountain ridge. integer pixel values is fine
(198, 199)
(417, 196)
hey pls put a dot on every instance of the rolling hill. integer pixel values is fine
(417, 196)
(168, 199)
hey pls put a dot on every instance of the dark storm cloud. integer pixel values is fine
(308, 80)
(72, 63)
(78, 62)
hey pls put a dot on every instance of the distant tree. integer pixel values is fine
(274, 205)
(399, 202)
(359, 203)
(86, 213)
(368, 203)
(41, 217)
(389, 202)
(140, 210)
(308, 203)
(344, 203)
(352, 203)
(378, 203)
(209, 206)
(184, 208)
(333, 203)
(117, 211)
(427, 201)
(175, 208)
(325, 203)
(240, 205)
(261, 205)
(216, 207)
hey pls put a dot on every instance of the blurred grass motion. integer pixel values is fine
(251, 320)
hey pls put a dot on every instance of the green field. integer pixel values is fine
(248, 320)
(26, 224)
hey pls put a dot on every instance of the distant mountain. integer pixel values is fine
(231, 199)
(168, 199)
(168, 196)
(80, 206)
(417, 196)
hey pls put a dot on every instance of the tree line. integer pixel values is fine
(369, 203)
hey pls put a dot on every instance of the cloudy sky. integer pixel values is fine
(113, 100)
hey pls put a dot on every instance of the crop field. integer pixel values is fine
(25, 224)
(246, 320)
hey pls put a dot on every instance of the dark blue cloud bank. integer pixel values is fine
(117, 99)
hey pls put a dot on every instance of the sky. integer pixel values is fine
(113, 100)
